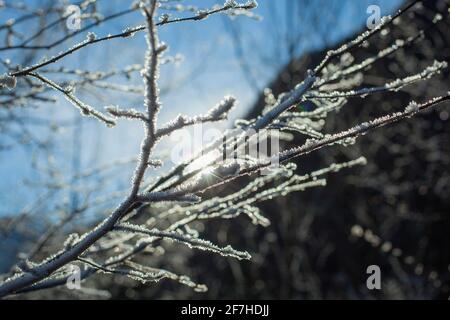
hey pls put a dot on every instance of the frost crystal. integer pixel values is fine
(412, 108)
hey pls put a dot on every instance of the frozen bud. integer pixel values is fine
(8, 81)
(202, 14)
(179, 120)
(128, 32)
(164, 18)
(230, 3)
(135, 5)
(154, 163)
(91, 36)
(162, 47)
(113, 110)
(70, 89)
(251, 4)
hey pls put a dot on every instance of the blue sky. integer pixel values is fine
(210, 70)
